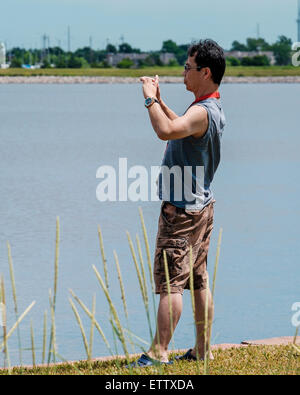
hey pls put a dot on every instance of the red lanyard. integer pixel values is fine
(215, 95)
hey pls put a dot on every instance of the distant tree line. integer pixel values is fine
(281, 49)
(88, 57)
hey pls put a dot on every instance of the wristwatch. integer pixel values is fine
(150, 100)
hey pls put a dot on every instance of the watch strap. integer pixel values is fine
(150, 101)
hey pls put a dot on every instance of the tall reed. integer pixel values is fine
(53, 301)
(4, 322)
(16, 324)
(192, 292)
(148, 259)
(14, 291)
(120, 331)
(206, 330)
(142, 270)
(52, 343)
(217, 262)
(32, 343)
(104, 262)
(141, 283)
(78, 319)
(123, 297)
(208, 325)
(92, 327)
(192, 283)
(90, 315)
(44, 337)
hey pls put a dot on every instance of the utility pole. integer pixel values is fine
(69, 39)
(44, 41)
(91, 45)
(48, 49)
(258, 31)
(8, 55)
(298, 21)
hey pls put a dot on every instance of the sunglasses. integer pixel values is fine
(187, 67)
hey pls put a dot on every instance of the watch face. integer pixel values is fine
(148, 101)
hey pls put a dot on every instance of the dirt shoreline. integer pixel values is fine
(130, 80)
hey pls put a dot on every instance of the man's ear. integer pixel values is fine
(207, 73)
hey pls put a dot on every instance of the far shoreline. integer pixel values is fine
(134, 80)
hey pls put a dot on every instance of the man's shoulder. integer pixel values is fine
(214, 110)
(196, 112)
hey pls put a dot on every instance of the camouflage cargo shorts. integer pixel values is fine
(178, 229)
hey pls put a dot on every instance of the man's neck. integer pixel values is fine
(203, 91)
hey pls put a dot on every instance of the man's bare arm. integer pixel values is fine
(193, 123)
(169, 113)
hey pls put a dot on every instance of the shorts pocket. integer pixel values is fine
(176, 249)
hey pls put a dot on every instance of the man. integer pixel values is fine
(193, 142)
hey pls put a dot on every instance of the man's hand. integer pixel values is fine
(156, 83)
(150, 87)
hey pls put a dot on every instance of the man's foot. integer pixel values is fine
(159, 354)
(144, 361)
(190, 355)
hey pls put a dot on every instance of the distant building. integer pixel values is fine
(114, 59)
(250, 54)
(2, 55)
(166, 57)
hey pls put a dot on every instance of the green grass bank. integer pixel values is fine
(239, 71)
(252, 360)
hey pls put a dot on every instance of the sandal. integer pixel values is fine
(187, 356)
(144, 361)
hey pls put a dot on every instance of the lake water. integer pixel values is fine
(54, 138)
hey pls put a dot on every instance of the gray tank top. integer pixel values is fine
(189, 164)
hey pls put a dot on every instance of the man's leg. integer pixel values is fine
(201, 340)
(159, 347)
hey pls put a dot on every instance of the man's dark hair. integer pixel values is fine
(209, 54)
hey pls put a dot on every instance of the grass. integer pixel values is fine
(250, 360)
(239, 71)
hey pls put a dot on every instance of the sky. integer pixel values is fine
(144, 24)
